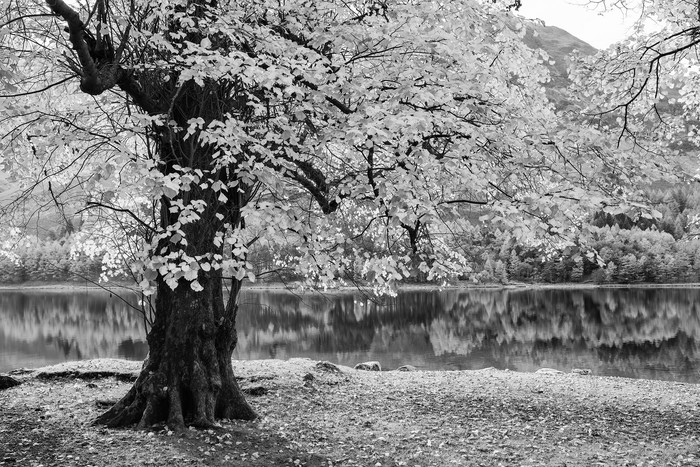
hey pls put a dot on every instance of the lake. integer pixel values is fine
(632, 332)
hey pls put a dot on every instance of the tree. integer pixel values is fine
(499, 272)
(610, 272)
(205, 126)
(515, 266)
(577, 270)
(647, 85)
(629, 270)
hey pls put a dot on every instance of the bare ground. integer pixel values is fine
(464, 418)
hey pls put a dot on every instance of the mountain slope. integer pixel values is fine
(559, 46)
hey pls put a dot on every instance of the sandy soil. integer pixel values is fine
(464, 418)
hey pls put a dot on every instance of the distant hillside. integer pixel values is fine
(559, 45)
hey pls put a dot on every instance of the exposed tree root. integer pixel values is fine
(196, 401)
(188, 377)
(87, 375)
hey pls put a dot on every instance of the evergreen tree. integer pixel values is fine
(500, 273)
(515, 266)
(629, 269)
(577, 271)
(611, 272)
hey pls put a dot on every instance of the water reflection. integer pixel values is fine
(40, 328)
(650, 333)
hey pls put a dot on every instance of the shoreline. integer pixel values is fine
(362, 418)
(294, 287)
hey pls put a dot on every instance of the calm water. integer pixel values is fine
(645, 333)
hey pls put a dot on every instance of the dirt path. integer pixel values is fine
(463, 418)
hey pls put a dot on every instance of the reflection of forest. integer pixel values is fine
(651, 333)
(634, 332)
(36, 328)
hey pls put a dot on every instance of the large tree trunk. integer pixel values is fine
(187, 378)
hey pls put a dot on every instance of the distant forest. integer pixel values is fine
(627, 250)
(621, 249)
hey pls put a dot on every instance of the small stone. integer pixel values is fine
(255, 390)
(581, 371)
(369, 366)
(309, 380)
(104, 403)
(7, 381)
(328, 366)
(407, 368)
(549, 371)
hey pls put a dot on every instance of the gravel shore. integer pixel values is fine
(319, 418)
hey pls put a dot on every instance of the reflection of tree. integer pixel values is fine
(334, 323)
(607, 329)
(637, 332)
(607, 317)
(65, 345)
(75, 326)
(133, 349)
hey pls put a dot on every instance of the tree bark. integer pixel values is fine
(188, 377)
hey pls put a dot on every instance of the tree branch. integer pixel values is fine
(90, 82)
(95, 204)
(463, 201)
(99, 77)
(20, 18)
(38, 90)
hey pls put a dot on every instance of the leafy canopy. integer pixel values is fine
(360, 134)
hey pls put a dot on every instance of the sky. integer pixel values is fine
(597, 28)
